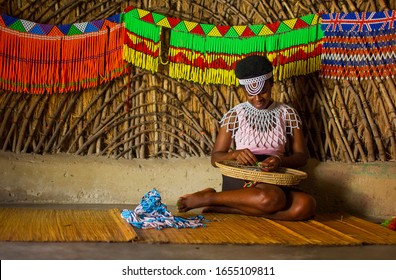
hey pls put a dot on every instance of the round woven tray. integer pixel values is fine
(283, 176)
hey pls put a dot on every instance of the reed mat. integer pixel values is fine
(326, 230)
(25, 224)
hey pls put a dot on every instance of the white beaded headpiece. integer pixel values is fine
(255, 85)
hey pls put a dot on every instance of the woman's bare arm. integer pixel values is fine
(221, 150)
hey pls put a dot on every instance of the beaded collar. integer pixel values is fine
(261, 126)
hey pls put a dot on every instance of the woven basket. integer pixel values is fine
(283, 176)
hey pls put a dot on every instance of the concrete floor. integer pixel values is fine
(131, 251)
(138, 251)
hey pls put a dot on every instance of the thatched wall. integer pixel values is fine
(142, 115)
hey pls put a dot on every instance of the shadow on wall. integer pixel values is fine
(364, 189)
(327, 191)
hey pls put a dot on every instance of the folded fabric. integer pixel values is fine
(152, 213)
(390, 223)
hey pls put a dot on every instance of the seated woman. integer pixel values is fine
(262, 129)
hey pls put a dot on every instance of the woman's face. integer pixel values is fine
(263, 99)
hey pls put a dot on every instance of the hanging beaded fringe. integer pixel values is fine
(152, 213)
(360, 51)
(142, 43)
(211, 60)
(41, 64)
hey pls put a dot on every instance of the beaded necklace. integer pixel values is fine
(262, 128)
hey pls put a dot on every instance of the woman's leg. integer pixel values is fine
(300, 206)
(297, 205)
(263, 199)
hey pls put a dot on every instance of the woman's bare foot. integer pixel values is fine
(194, 200)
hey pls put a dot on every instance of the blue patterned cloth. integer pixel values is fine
(152, 213)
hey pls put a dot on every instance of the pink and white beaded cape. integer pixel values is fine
(263, 132)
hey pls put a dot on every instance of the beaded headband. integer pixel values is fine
(255, 85)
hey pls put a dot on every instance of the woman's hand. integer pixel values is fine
(245, 157)
(271, 163)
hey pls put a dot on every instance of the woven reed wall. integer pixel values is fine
(144, 115)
